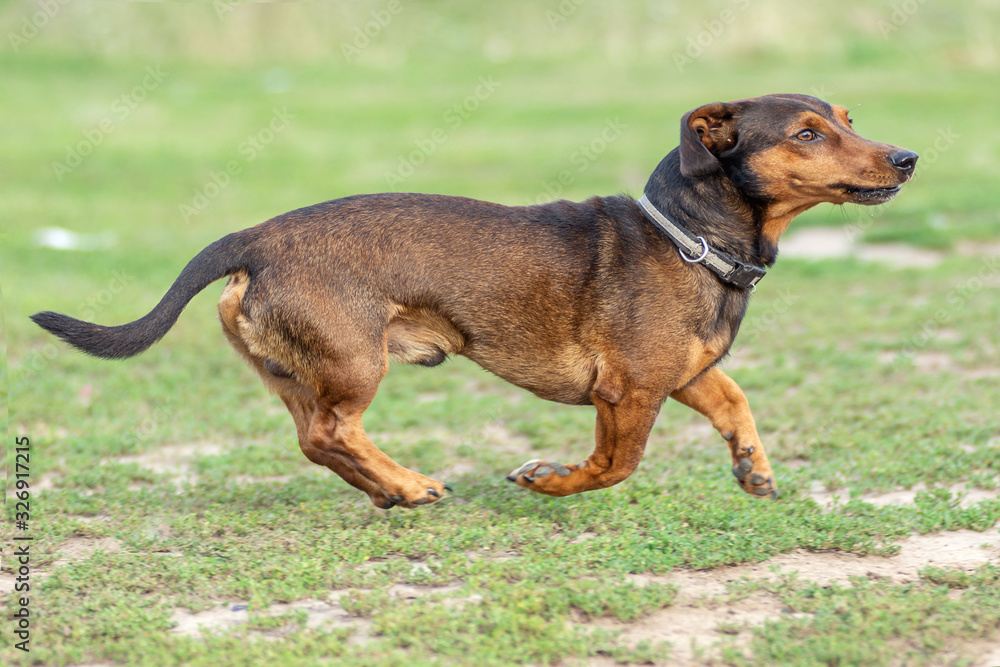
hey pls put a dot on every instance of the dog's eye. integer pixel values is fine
(806, 135)
(850, 121)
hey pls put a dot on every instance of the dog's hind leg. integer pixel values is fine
(715, 395)
(328, 418)
(326, 375)
(301, 403)
(331, 434)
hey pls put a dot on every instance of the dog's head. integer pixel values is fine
(793, 151)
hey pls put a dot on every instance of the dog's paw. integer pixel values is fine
(548, 477)
(536, 468)
(429, 493)
(756, 478)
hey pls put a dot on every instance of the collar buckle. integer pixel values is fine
(744, 275)
(728, 268)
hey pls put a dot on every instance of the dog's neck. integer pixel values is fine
(715, 208)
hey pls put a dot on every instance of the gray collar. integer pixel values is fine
(695, 250)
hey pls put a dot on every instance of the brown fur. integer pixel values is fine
(581, 303)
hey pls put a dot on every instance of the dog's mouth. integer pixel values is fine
(869, 196)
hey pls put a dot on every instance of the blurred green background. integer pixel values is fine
(158, 127)
(118, 115)
(366, 83)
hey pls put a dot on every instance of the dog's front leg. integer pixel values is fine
(715, 395)
(624, 420)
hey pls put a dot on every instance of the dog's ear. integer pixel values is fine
(706, 132)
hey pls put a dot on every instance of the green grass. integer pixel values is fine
(875, 623)
(832, 354)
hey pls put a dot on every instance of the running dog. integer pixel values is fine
(612, 302)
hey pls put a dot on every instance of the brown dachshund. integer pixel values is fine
(610, 302)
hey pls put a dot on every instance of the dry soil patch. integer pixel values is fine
(701, 619)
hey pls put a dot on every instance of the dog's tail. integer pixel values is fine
(219, 259)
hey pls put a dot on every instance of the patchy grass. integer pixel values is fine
(172, 483)
(875, 623)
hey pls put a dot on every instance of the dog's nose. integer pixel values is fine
(905, 161)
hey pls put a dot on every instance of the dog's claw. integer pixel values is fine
(742, 469)
(754, 482)
(537, 475)
(397, 499)
(520, 470)
(447, 487)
